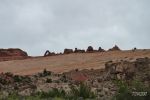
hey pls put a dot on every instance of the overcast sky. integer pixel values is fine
(39, 25)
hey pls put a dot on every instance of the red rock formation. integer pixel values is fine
(134, 49)
(68, 51)
(115, 48)
(90, 49)
(79, 77)
(101, 50)
(47, 53)
(12, 54)
(79, 51)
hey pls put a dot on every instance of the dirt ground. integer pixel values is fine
(63, 63)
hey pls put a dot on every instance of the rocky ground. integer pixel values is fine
(104, 84)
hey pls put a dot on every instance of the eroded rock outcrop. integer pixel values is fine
(134, 49)
(79, 50)
(12, 54)
(115, 48)
(126, 70)
(48, 53)
(90, 49)
(68, 51)
(101, 50)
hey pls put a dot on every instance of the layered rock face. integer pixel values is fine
(126, 70)
(12, 54)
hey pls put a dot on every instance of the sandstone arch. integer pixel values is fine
(48, 53)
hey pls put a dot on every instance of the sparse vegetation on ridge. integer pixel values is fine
(128, 92)
(113, 82)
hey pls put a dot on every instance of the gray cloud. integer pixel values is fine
(38, 25)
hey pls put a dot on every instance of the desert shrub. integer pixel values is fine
(57, 92)
(6, 78)
(9, 74)
(52, 93)
(13, 96)
(56, 81)
(92, 69)
(17, 78)
(64, 78)
(83, 91)
(3, 81)
(125, 91)
(48, 80)
(46, 73)
(77, 70)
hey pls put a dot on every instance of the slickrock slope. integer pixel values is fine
(67, 62)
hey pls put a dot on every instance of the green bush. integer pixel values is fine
(9, 74)
(3, 81)
(48, 80)
(52, 93)
(64, 78)
(46, 73)
(17, 78)
(83, 91)
(76, 93)
(125, 91)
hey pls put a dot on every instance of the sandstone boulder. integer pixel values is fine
(115, 48)
(101, 50)
(90, 49)
(78, 51)
(134, 49)
(68, 51)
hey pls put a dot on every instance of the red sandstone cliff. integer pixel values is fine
(12, 54)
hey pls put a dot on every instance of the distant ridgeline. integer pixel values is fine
(12, 54)
(18, 54)
(89, 50)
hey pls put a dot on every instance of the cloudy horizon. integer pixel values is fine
(39, 25)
